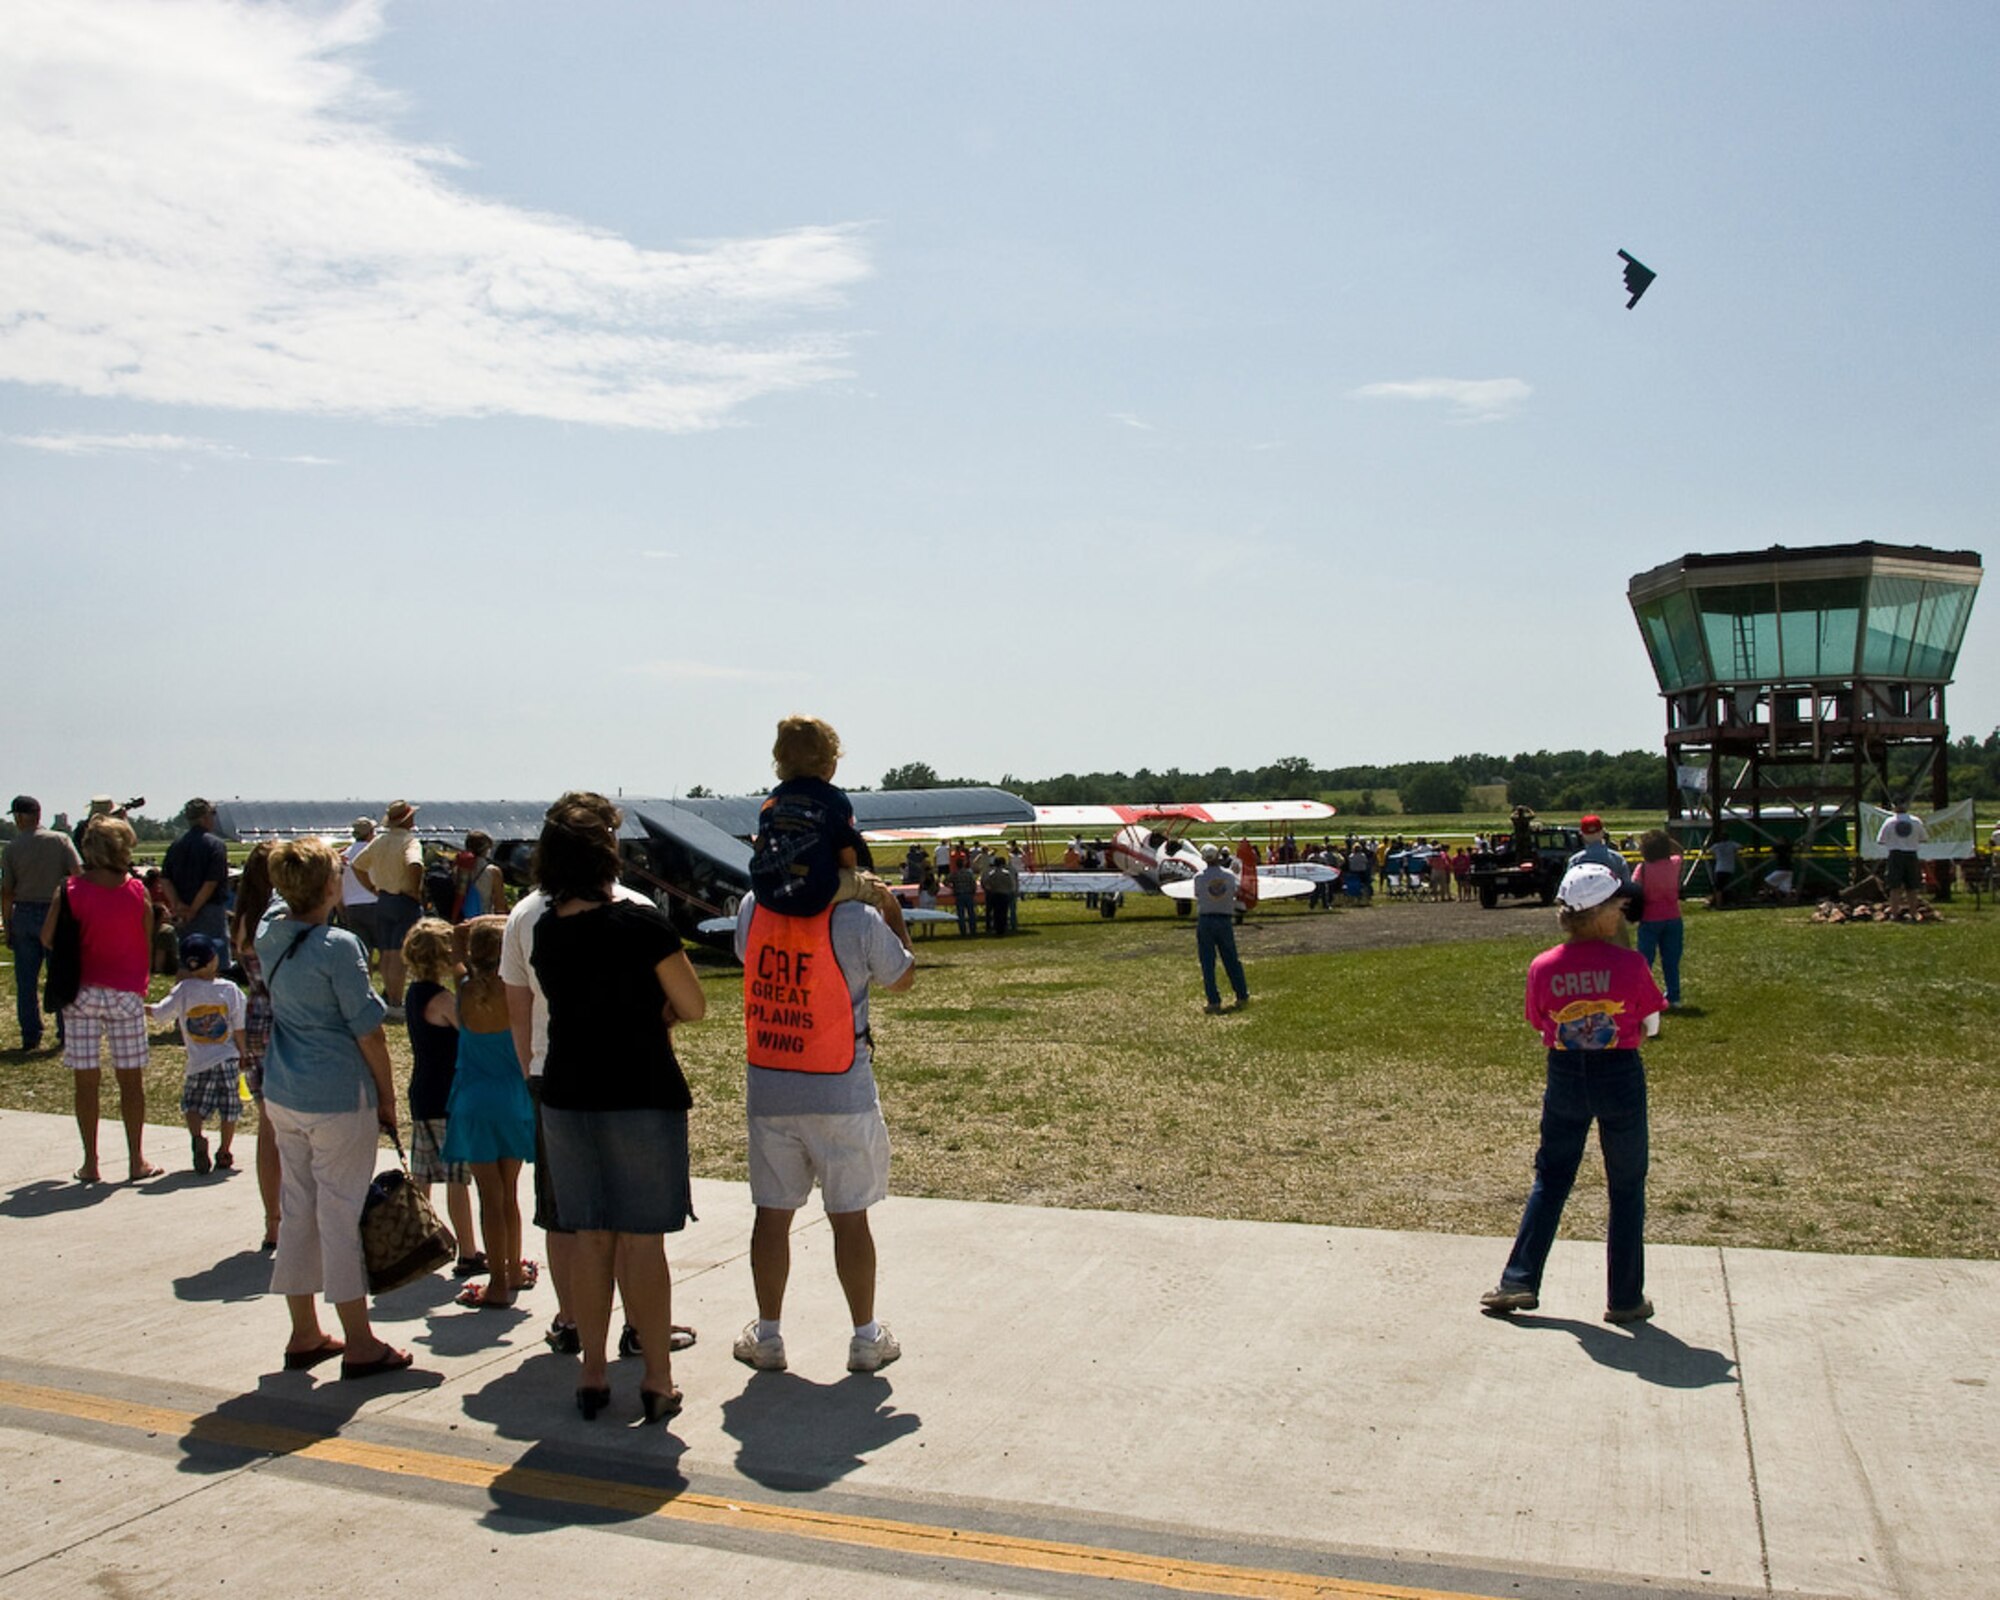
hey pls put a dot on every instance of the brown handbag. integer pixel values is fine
(402, 1237)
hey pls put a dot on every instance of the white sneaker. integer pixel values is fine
(871, 1355)
(766, 1355)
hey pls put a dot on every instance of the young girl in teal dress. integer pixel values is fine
(490, 1121)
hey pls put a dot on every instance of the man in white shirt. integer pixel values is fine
(1902, 834)
(357, 900)
(1215, 891)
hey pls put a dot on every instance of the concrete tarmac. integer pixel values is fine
(1089, 1403)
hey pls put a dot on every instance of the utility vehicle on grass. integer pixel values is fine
(1518, 866)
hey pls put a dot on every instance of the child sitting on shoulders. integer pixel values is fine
(808, 855)
(431, 1014)
(490, 1122)
(209, 1009)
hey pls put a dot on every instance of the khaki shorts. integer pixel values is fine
(846, 1151)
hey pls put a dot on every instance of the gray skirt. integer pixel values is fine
(619, 1171)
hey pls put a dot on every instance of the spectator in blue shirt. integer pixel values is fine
(328, 1092)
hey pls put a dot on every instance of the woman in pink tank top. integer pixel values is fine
(114, 927)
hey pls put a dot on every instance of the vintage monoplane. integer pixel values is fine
(690, 856)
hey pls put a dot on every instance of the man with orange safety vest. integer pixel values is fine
(813, 1111)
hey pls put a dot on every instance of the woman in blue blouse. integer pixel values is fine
(328, 1094)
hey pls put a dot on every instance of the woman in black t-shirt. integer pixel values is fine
(614, 1102)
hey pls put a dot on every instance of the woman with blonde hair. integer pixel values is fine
(327, 1091)
(113, 924)
(253, 899)
(431, 1014)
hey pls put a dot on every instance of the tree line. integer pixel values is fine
(1572, 780)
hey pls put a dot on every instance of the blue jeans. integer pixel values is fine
(1665, 937)
(968, 913)
(1216, 936)
(24, 936)
(1608, 1086)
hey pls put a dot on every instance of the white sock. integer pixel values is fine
(870, 1333)
(766, 1330)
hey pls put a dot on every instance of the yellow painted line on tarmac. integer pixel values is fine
(711, 1511)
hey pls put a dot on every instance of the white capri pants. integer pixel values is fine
(327, 1160)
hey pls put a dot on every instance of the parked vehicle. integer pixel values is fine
(1509, 871)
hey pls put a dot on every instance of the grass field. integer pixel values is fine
(1827, 1088)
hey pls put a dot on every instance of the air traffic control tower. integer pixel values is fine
(1799, 683)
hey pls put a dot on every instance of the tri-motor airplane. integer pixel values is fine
(1150, 851)
(690, 857)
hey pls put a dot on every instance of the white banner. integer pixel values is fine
(1950, 833)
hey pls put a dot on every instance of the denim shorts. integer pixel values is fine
(619, 1171)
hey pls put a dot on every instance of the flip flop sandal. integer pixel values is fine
(389, 1361)
(478, 1296)
(531, 1274)
(471, 1266)
(85, 1175)
(306, 1360)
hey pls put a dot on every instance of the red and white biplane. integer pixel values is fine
(1150, 852)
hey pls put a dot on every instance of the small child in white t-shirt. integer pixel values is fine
(210, 1010)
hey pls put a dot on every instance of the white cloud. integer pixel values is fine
(208, 205)
(1471, 399)
(1130, 421)
(97, 444)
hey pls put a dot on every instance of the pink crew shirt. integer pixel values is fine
(1661, 883)
(1591, 995)
(113, 927)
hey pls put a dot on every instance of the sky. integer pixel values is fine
(482, 398)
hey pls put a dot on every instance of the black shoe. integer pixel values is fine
(199, 1146)
(592, 1401)
(628, 1343)
(658, 1407)
(563, 1338)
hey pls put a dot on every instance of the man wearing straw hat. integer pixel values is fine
(392, 868)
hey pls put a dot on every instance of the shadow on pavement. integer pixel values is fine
(1646, 1350)
(415, 1300)
(797, 1435)
(612, 1469)
(52, 1197)
(243, 1276)
(288, 1412)
(466, 1330)
(172, 1182)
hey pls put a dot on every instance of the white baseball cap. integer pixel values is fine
(1587, 885)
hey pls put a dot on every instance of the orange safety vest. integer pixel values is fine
(797, 1013)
